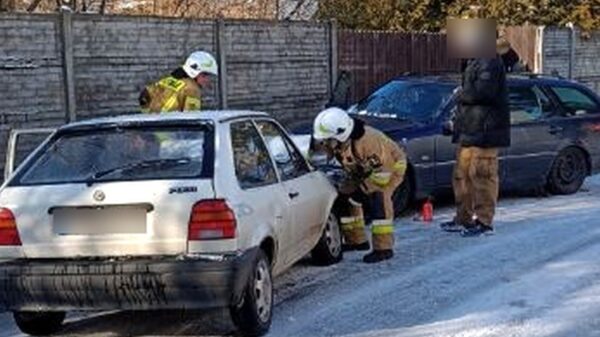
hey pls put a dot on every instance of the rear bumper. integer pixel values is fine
(129, 284)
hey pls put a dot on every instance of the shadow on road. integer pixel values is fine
(156, 323)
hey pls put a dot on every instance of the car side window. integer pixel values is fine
(288, 159)
(253, 166)
(575, 101)
(527, 104)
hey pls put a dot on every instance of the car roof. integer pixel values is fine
(214, 116)
(429, 79)
(518, 78)
(540, 79)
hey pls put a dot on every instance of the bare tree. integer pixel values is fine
(296, 9)
(34, 4)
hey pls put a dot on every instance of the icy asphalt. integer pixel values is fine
(538, 276)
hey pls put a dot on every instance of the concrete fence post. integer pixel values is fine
(538, 66)
(333, 54)
(572, 41)
(66, 35)
(222, 59)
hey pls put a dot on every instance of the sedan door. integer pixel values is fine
(580, 117)
(535, 135)
(445, 153)
(306, 190)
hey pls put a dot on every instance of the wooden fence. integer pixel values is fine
(373, 58)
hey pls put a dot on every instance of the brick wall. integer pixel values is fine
(31, 76)
(587, 60)
(31, 79)
(586, 64)
(114, 57)
(556, 51)
(281, 68)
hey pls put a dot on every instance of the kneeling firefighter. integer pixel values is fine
(375, 166)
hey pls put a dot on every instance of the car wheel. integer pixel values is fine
(568, 172)
(253, 314)
(39, 323)
(328, 250)
(403, 197)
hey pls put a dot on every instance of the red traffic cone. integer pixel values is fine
(427, 211)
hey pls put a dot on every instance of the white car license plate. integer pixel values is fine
(99, 221)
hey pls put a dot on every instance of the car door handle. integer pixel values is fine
(555, 129)
(293, 194)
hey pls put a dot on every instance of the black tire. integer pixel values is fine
(328, 250)
(403, 197)
(568, 172)
(39, 323)
(253, 314)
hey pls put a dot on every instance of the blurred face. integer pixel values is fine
(204, 80)
(471, 38)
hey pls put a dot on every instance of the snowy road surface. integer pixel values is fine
(538, 276)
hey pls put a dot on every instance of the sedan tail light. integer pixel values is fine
(9, 236)
(211, 220)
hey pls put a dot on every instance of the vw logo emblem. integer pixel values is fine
(99, 195)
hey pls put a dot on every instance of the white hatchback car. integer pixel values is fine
(192, 210)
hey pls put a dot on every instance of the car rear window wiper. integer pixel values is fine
(144, 164)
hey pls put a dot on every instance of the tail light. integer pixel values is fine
(9, 236)
(211, 220)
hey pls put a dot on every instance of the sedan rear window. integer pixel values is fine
(120, 154)
(575, 101)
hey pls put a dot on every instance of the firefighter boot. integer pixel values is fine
(378, 256)
(383, 241)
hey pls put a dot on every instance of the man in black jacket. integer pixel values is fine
(481, 127)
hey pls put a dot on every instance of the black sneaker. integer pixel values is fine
(361, 246)
(451, 226)
(478, 229)
(378, 256)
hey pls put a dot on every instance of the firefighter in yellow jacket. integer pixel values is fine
(375, 166)
(181, 90)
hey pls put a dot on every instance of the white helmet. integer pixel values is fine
(200, 62)
(333, 123)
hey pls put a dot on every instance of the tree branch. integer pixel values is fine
(34, 4)
(296, 9)
(179, 3)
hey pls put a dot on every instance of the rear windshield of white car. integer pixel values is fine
(121, 154)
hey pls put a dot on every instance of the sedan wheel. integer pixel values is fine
(329, 248)
(568, 172)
